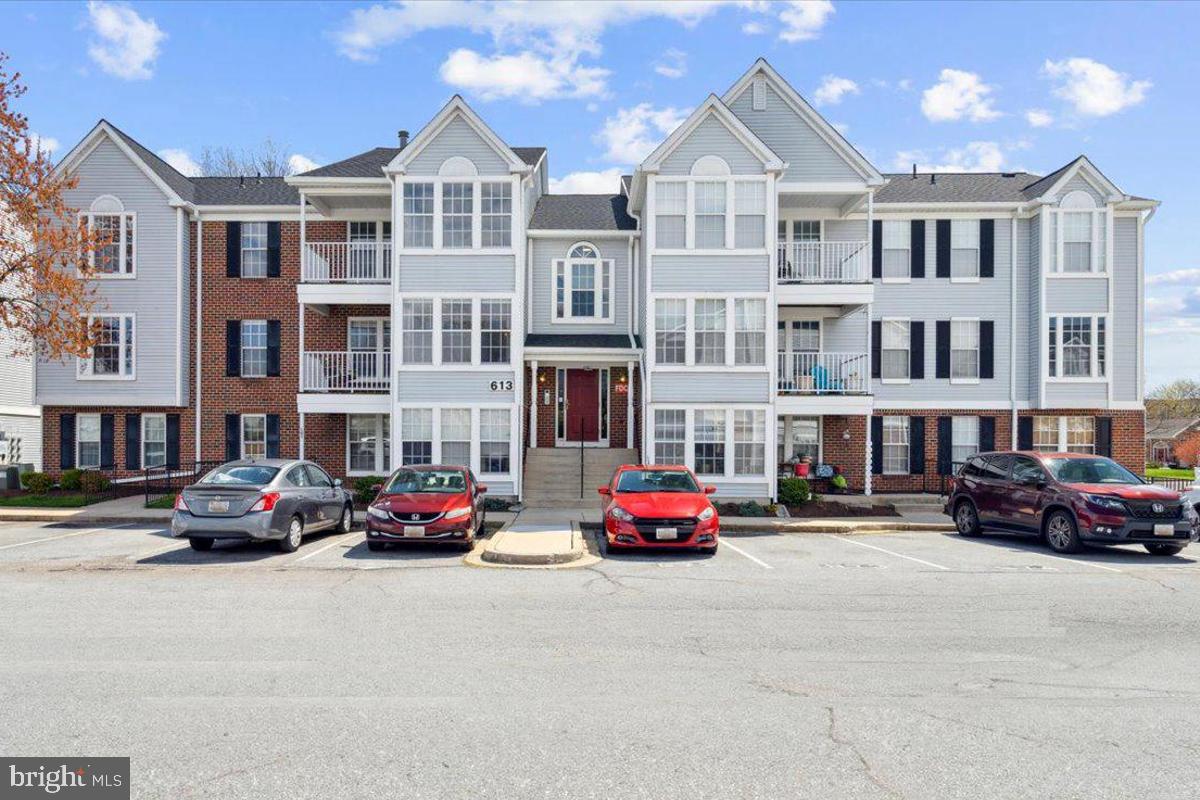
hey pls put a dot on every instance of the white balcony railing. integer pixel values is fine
(335, 371)
(823, 373)
(824, 262)
(347, 262)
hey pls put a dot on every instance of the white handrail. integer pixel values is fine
(347, 262)
(346, 371)
(824, 262)
(823, 373)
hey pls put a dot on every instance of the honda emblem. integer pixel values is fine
(1159, 508)
(416, 516)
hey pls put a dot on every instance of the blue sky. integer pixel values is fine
(982, 86)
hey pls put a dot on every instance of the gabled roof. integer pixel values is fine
(174, 184)
(602, 341)
(1169, 428)
(364, 165)
(1050, 185)
(713, 107)
(530, 155)
(455, 109)
(581, 212)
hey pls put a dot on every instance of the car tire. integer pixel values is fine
(347, 519)
(710, 551)
(1164, 549)
(467, 546)
(966, 519)
(201, 545)
(290, 543)
(1061, 533)
(376, 547)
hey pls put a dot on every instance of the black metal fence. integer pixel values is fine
(162, 481)
(1178, 484)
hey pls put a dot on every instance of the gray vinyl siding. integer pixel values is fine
(846, 334)
(27, 432)
(444, 385)
(809, 157)
(16, 389)
(1126, 330)
(845, 230)
(753, 490)
(545, 252)
(711, 138)
(1076, 395)
(1077, 295)
(1025, 379)
(1035, 311)
(710, 273)
(458, 139)
(151, 296)
(710, 387)
(1078, 182)
(930, 299)
(465, 272)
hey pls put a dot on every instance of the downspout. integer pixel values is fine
(199, 324)
(1012, 330)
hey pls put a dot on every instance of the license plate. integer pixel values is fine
(218, 506)
(1164, 530)
(666, 533)
(414, 530)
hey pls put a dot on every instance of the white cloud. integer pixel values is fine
(298, 163)
(605, 181)
(1094, 89)
(754, 28)
(632, 133)
(833, 89)
(1039, 118)
(47, 144)
(904, 84)
(672, 63)
(1174, 277)
(128, 44)
(957, 95)
(803, 19)
(180, 160)
(974, 157)
(526, 77)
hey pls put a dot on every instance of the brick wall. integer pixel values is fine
(51, 441)
(1128, 433)
(849, 455)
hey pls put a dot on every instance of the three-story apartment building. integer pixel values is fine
(755, 292)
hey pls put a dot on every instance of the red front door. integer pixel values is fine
(583, 405)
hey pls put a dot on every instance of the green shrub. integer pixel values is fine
(794, 491)
(751, 509)
(495, 504)
(36, 482)
(70, 480)
(93, 482)
(364, 491)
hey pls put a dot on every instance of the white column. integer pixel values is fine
(629, 405)
(534, 399)
(301, 452)
(300, 358)
(867, 451)
(303, 238)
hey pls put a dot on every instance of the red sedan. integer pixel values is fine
(658, 507)
(427, 503)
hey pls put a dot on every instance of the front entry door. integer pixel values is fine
(583, 405)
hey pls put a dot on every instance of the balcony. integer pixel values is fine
(333, 381)
(823, 383)
(834, 273)
(345, 272)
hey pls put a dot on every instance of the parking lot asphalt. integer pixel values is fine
(896, 665)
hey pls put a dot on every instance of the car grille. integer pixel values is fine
(646, 526)
(1145, 510)
(416, 518)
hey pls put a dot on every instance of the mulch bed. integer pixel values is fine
(832, 508)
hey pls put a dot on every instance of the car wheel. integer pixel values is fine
(295, 532)
(347, 520)
(710, 551)
(1061, 533)
(201, 545)
(1164, 549)
(376, 547)
(966, 519)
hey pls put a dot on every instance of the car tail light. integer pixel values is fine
(266, 502)
(180, 505)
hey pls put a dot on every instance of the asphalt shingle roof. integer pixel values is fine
(371, 163)
(607, 341)
(582, 212)
(178, 182)
(245, 192)
(530, 155)
(958, 187)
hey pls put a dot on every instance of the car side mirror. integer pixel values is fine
(481, 488)
(337, 483)
(604, 490)
(710, 489)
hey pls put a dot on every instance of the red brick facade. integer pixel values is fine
(544, 391)
(848, 454)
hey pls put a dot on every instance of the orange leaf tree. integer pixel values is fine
(1187, 452)
(44, 289)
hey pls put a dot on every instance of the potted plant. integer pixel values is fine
(803, 466)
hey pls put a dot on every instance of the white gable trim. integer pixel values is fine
(456, 108)
(1093, 176)
(98, 134)
(712, 106)
(827, 132)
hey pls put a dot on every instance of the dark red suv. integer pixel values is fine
(1069, 499)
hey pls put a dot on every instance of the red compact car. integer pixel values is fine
(658, 507)
(427, 503)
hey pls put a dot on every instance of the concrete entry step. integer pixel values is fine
(554, 476)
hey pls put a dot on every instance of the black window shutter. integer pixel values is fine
(66, 441)
(916, 252)
(987, 248)
(173, 440)
(233, 437)
(987, 434)
(942, 336)
(876, 445)
(1025, 433)
(876, 348)
(233, 249)
(987, 349)
(1104, 436)
(272, 436)
(107, 461)
(916, 445)
(233, 347)
(133, 441)
(877, 249)
(916, 350)
(945, 445)
(273, 348)
(943, 248)
(272, 249)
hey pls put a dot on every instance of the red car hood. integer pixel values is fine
(662, 504)
(421, 502)
(1128, 491)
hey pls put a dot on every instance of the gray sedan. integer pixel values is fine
(260, 499)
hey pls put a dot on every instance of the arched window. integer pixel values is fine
(1078, 199)
(117, 257)
(458, 167)
(1080, 233)
(711, 166)
(583, 285)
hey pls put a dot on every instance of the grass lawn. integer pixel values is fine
(166, 501)
(47, 501)
(1166, 472)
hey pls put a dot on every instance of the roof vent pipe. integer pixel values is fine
(933, 177)
(403, 136)
(914, 170)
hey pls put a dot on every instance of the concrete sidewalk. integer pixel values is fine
(122, 510)
(540, 537)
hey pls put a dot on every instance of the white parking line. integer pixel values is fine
(725, 542)
(53, 538)
(1061, 558)
(320, 550)
(889, 552)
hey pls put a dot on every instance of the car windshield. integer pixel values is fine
(240, 475)
(656, 480)
(430, 481)
(1089, 470)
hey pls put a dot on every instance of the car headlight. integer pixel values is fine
(706, 514)
(455, 513)
(616, 512)
(1105, 502)
(377, 513)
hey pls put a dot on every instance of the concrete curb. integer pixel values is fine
(80, 521)
(485, 554)
(847, 528)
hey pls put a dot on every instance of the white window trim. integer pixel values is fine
(79, 441)
(600, 265)
(978, 252)
(242, 348)
(143, 438)
(731, 214)
(1102, 220)
(978, 351)
(689, 440)
(475, 364)
(1061, 421)
(1095, 350)
(381, 457)
(90, 216)
(895, 381)
(513, 433)
(266, 249)
(83, 371)
(907, 446)
(476, 213)
(242, 432)
(883, 250)
(690, 364)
